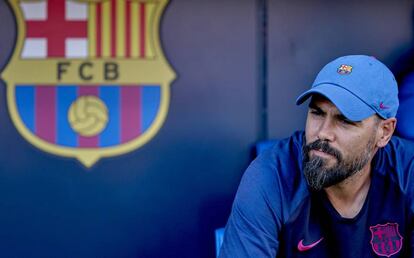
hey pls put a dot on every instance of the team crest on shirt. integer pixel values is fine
(88, 78)
(385, 239)
(345, 69)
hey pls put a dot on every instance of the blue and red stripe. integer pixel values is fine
(111, 135)
(25, 101)
(44, 111)
(65, 97)
(130, 113)
(151, 99)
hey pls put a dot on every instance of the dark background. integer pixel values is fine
(240, 66)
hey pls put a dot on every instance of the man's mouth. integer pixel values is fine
(320, 153)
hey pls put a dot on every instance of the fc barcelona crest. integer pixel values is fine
(345, 69)
(88, 78)
(385, 239)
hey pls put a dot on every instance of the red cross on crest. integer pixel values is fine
(56, 28)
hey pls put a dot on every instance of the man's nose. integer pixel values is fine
(326, 131)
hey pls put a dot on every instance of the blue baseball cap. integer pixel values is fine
(358, 85)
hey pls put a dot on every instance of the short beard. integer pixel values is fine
(318, 176)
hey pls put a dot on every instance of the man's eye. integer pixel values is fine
(316, 112)
(348, 122)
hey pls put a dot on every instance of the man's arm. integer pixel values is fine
(254, 223)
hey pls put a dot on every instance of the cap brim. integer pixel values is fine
(348, 104)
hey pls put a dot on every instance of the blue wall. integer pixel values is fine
(166, 198)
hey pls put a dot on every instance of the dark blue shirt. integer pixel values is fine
(275, 215)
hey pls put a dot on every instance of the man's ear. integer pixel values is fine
(386, 129)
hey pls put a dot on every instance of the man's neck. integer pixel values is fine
(349, 196)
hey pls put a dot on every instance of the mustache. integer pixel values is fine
(324, 147)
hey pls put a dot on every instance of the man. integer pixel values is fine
(344, 188)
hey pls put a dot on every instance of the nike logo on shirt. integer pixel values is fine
(302, 247)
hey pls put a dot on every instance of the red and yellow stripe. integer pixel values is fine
(120, 28)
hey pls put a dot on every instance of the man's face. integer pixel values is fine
(336, 148)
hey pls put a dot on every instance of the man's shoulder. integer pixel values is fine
(396, 161)
(286, 148)
(275, 175)
(402, 146)
(283, 157)
(398, 153)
